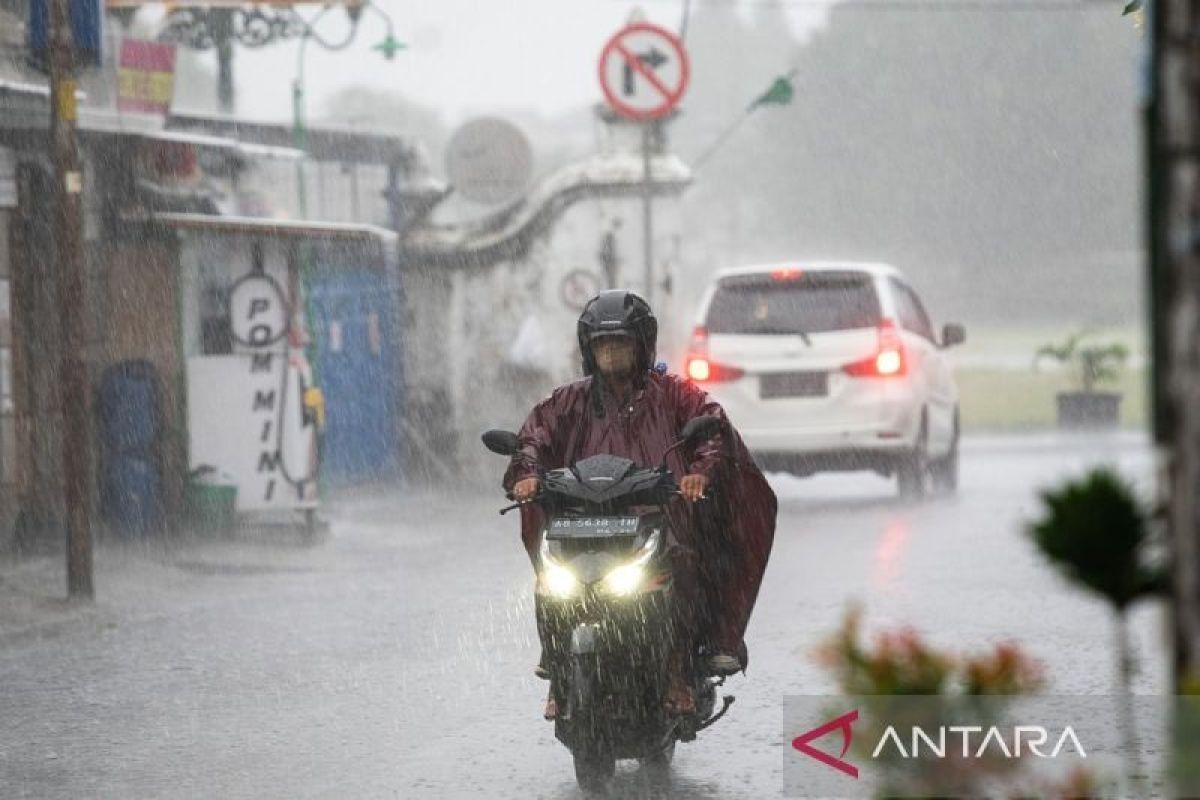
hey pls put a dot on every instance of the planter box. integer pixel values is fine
(1089, 409)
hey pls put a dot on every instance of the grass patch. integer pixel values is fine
(1013, 399)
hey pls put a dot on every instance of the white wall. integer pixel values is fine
(465, 321)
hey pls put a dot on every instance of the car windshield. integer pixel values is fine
(811, 303)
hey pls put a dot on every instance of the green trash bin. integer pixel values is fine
(211, 500)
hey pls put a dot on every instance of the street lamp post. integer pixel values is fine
(254, 26)
(389, 47)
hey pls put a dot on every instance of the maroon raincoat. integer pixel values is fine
(731, 535)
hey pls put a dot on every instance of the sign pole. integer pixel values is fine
(647, 212)
(222, 30)
(643, 74)
(73, 376)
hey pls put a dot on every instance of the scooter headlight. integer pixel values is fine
(627, 578)
(557, 579)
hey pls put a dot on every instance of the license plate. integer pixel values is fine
(583, 527)
(794, 384)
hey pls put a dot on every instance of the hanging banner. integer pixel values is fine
(87, 32)
(145, 77)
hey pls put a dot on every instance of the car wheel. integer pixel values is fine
(912, 473)
(945, 469)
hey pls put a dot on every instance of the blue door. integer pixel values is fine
(359, 371)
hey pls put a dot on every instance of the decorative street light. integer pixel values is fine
(388, 47)
(220, 24)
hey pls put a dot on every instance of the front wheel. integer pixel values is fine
(656, 767)
(594, 768)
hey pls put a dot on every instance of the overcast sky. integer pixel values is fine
(467, 57)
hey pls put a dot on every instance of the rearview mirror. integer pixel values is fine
(698, 429)
(953, 334)
(501, 442)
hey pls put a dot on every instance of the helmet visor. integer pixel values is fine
(594, 335)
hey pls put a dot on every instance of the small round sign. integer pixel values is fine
(489, 161)
(644, 71)
(258, 310)
(578, 287)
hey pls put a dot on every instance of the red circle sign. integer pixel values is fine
(643, 71)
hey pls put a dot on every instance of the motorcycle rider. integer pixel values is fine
(624, 407)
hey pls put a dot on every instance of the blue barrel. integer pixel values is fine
(133, 495)
(129, 407)
(129, 432)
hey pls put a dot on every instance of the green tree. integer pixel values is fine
(984, 150)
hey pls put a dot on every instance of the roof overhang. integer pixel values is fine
(340, 145)
(276, 228)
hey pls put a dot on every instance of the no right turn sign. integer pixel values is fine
(643, 71)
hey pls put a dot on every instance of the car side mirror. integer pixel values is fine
(952, 334)
(698, 429)
(500, 442)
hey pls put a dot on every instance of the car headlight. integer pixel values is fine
(627, 578)
(557, 579)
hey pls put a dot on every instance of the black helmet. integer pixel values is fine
(621, 312)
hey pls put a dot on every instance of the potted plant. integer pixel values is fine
(1094, 364)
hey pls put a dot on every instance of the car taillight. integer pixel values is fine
(889, 360)
(701, 370)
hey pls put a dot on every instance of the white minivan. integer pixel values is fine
(831, 366)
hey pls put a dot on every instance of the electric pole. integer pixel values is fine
(73, 377)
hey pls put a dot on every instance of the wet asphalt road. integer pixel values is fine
(395, 659)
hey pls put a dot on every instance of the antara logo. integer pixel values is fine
(843, 724)
(992, 740)
(976, 741)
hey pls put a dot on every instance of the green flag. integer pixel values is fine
(780, 93)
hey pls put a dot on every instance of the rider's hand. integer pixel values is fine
(692, 487)
(526, 489)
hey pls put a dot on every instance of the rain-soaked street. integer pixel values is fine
(395, 659)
